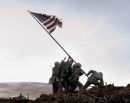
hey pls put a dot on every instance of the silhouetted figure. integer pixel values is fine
(65, 73)
(95, 78)
(74, 77)
(54, 80)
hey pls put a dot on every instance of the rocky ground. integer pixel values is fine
(106, 94)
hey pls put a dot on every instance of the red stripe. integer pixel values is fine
(55, 23)
(60, 22)
(52, 30)
(50, 21)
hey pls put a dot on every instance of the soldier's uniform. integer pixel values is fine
(95, 78)
(54, 80)
(74, 77)
(65, 73)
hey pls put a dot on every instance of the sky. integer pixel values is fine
(95, 33)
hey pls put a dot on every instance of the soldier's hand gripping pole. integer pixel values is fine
(80, 68)
(85, 73)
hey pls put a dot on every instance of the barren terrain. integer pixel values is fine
(34, 89)
(41, 93)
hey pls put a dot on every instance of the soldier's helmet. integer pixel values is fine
(57, 64)
(78, 65)
(101, 73)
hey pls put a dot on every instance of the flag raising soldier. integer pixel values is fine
(65, 73)
(49, 23)
(74, 77)
(95, 78)
(54, 80)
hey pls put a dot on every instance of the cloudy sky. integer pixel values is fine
(95, 33)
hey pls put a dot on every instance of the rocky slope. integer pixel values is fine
(106, 94)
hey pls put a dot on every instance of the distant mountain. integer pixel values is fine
(34, 89)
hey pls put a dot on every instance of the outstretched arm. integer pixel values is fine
(91, 71)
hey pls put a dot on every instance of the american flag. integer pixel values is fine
(50, 22)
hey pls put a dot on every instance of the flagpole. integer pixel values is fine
(51, 36)
(54, 39)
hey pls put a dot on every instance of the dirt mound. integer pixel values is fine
(106, 94)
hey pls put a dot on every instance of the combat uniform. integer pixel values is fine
(54, 80)
(65, 73)
(74, 77)
(95, 78)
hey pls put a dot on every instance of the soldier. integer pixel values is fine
(95, 78)
(65, 73)
(74, 77)
(54, 80)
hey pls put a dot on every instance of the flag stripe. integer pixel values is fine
(50, 22)
(47, 20)
(48, 25)
(59, 23)
(52, 28)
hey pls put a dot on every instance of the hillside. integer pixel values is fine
(106, 94)
(34, 89)
(41, 93)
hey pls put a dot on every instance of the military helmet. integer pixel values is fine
(78, 65)
(64, 63)
(57, 63)
(74, 65)
(101, 73)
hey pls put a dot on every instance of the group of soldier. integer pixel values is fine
(65, 77)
